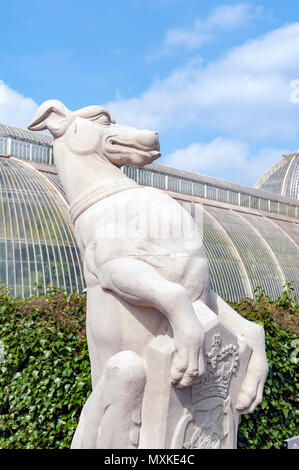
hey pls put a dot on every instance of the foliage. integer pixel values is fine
(45, 374)
(45, 377)
(275, 419)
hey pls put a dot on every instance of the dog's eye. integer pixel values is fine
(103, 119)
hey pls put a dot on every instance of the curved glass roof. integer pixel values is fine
(24, 134)
(250, 235)
(196, 185)
(246, 251)
(283, 177)
(245, 248)
(36, 236)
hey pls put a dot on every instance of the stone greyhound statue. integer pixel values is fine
(138, 286)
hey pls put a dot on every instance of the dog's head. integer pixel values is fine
(91, 130)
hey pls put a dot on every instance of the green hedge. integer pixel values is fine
(45, 377)
(275, 419)
(45, 374)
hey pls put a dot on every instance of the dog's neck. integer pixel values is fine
(81, 174)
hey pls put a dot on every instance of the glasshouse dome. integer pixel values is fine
(250, 234)
(283, 177)
(36, 234)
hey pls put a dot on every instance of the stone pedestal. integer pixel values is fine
(202, 416)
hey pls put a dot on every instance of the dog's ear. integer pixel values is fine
(51, 115)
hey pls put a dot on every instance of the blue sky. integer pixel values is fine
(214, 78)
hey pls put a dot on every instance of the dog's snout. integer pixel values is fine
(148, 139)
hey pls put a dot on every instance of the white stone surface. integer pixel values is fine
(159, 339)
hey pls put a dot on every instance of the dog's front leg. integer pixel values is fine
(140, 284)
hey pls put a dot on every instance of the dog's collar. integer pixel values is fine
(90, 197)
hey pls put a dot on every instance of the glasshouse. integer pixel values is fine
(250, 234)
(283, 177)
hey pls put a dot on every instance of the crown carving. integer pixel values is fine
(221, 364)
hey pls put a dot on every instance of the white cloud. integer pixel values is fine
(226, 159)
(245, 94)
(15, 109)
(222, 18)
(230, 16)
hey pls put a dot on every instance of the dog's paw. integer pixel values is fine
(188, 363)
